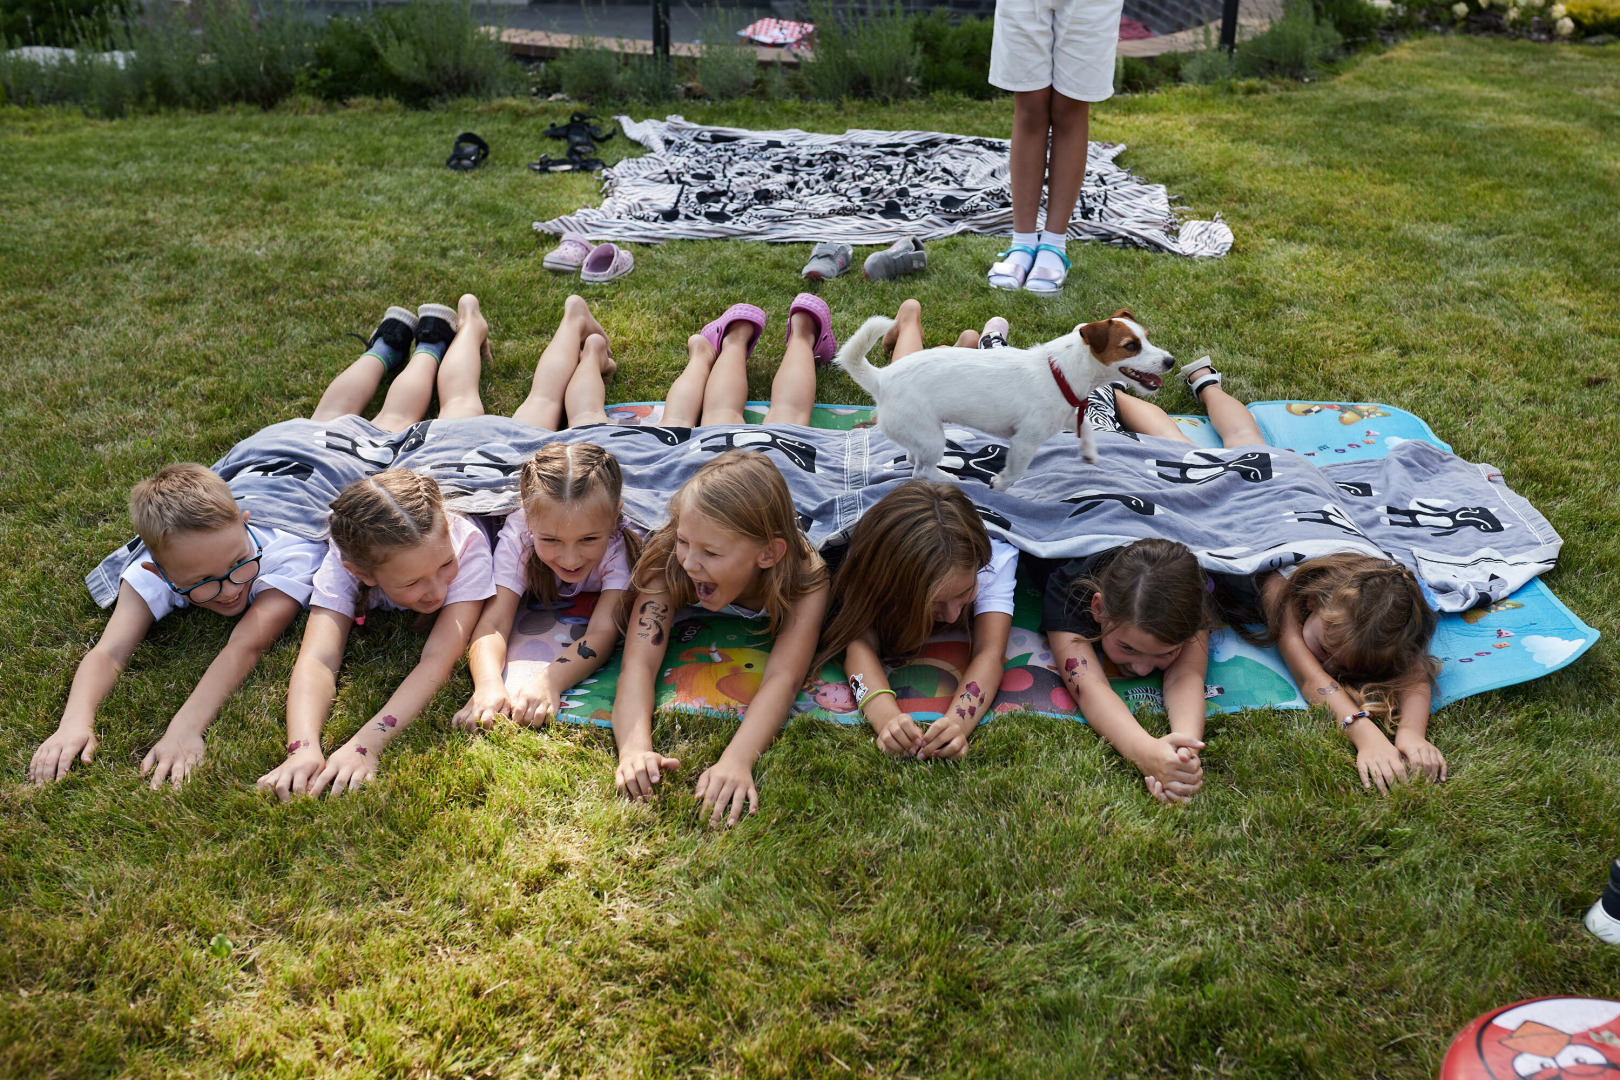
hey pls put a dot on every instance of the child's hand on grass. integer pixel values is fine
(724, 784)
(173, 758)
(1172, 765)
(484, 709)
(946, 738)
(1380, 765)
(293, 776)
(639, 772)
(899, 734)
(55, 755)
(535, 703)
(1172, 793)
(350, 767)
(1422, 755)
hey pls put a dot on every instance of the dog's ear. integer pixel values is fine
(1095, 334)
(1124, 313)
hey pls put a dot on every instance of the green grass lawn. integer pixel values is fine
(1436, 227)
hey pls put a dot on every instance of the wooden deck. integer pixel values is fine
(542, 45)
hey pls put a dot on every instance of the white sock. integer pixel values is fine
(1046, 259)
(1024, 239)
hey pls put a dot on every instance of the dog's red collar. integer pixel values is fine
(1079, 403)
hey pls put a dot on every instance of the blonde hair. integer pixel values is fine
(393, 510)
(900, 554)
(180, 499)
(743, 493)
(1375, 620)
(566, 474)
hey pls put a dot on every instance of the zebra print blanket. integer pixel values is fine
(861, 187)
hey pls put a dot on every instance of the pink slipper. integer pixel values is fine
(607, 262)
(569, 254)
(715, 332)
(826, 346)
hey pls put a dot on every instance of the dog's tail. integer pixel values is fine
(852, 357)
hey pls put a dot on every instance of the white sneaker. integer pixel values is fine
(1603, 925)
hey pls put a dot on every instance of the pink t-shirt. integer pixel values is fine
(512, 549)
(336, 588)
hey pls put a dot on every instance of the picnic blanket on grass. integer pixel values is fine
(714, 664)
(861, 187)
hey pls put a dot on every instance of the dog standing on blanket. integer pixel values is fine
(1022, 395)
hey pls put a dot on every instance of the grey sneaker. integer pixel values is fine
(902, 257)
(828, 261)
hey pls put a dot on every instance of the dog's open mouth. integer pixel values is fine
(1150, 382)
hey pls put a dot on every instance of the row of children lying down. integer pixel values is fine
(1353, 629)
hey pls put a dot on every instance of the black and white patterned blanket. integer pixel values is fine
(861, 187)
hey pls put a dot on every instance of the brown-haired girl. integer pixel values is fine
(1146, 607)
(568, 537)
(1350, 619)
(733, 547)
(918, 562)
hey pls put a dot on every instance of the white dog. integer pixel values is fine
(1022, 395)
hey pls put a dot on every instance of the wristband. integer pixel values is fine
(1362, 714)
(876, 693)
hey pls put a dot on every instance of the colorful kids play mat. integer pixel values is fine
(714, 664)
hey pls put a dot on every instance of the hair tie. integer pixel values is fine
(1209, 584)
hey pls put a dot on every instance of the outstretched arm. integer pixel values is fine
(540, 699)
(729, 783)
(487, 661)
(947, 737)
(1170, 766)
(309, 701)
(1412, 732)
(181, 748)
(897, 732)
(355, 762)
(646, 641)
(98, 672)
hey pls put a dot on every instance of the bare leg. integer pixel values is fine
(463, 363)
(793, 391)
(1146, 418)
(585, 399)
(1232, 419)
(683, 405)
(726, 392)
(351, 391)
(409, 394)
(905, 336)
(1032, 121)
(967, 339)
(1071, 130)
(543, 408)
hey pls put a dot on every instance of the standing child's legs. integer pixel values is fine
(463, 363)
(1065, 172)
(793, 391)
(585, 399)
(543, 408)
(1032, 125)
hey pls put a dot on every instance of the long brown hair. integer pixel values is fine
(901, 552)
(381, 514)
(1375, 620)
(566, 474)
(1156, 586)
(741, 492)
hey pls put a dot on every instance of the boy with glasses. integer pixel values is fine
(243, 540)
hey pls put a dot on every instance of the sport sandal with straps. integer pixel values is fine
(1009, 274)
(468, 153)
(1210, 376)
(1041, 279)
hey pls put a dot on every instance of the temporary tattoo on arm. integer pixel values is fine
(1071, 665)
(647, 617)
(294, 746)
(586, 652)
(360, 750)
(386, 723)
(974, 692)
(1330, 688)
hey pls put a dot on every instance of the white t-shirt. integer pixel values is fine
(998, 581)
(514, 543)
(287, 565)
(336, 588)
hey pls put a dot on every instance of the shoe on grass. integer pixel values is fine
(608, 262)
(569, 254)
(994, 334)
(828, 261)
(902, 257)
(826, 346)
(436, 324)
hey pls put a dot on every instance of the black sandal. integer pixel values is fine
(571, 163)
(468, 153)
(578, 127)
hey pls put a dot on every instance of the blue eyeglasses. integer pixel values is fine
(240, 574)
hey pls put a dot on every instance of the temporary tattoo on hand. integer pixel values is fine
(360, 750)
(387, 722)
(961, 712)
(647, 617)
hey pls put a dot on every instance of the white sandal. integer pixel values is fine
(1011, 274)
(1041, 279)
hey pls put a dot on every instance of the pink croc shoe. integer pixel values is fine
(569, 254)
(715, 332)
(826, 346)
(607, 262)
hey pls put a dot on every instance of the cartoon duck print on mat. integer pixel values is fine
(1348, 414)
(717, 678)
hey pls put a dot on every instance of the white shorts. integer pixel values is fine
(1065, 44)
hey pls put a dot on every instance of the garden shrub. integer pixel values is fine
(56, 22)
(726, 66)
(1595, 16)
(953, 58)
(1294, 47)
(1355, 20)
(1209, 64)
(649, 80)
(589, 74)
(870, 54)
(432, 51)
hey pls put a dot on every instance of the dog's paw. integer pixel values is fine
(1001, 482)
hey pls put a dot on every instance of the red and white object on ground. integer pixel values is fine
(1559, 1038)
(780, 32)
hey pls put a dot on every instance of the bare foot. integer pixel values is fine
(910, 312)
(575, 307)
(595, 348)
(803, 324)
(699, 351)
(471, 318)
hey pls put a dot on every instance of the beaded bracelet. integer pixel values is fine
(1363, 714)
